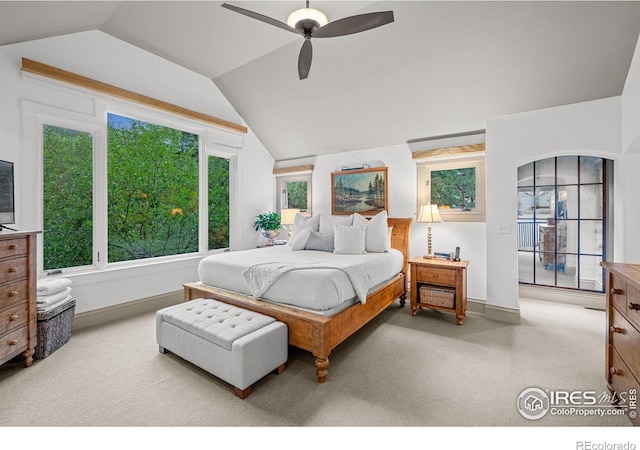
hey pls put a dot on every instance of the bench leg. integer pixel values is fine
(242, 393)
(161, 349)
(280, 369)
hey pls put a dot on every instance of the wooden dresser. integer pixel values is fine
(18, 301)
(623, 335)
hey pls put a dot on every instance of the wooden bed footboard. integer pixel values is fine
(316, 333)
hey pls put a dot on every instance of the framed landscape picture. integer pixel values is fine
(362, 190)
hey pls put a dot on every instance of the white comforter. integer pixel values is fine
(309, 279)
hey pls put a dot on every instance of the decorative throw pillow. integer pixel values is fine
(327, 222)
(320, 241)
(377, 236)
(349, 240)
(300, 240)
(301, 222)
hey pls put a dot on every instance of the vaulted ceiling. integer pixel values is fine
(440, 68)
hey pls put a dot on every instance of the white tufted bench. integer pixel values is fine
(236, 345)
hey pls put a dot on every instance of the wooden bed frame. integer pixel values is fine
(316, 333)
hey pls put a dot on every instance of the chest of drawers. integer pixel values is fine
(18, 307)
(623, 335)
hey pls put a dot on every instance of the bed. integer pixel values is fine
(318, 332)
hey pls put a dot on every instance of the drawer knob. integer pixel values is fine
(13, 342)
(13, 269)
(13, 293)
(635, 306)
(13, 247)
(616, 330)
(614, 371)
(13, 317)
(615, 291)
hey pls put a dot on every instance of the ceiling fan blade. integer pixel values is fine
(261, 18)
(354, 24)
(304, 60)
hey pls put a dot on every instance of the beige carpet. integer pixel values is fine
(399, 370)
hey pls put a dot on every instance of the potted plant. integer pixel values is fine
(269, 224)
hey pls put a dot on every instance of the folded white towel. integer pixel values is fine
(49, 307)
(48, 286)
(54, 298)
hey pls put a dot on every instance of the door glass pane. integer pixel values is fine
(525, 175)
(67, 198)
(591, 170)
(544, 200)
(591, 237)
(218, 202)
(545, 172)
(591, 201)
(591, 273)
(567, 205)
(525, 267)
(567, 170)
(566, 271)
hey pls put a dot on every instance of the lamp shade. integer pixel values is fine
(429, 214)
(288, 216)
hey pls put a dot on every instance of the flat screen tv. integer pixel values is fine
(7, 205)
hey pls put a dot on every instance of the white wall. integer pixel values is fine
(100, 56)
(590, 128)
(631, 159)
(402, 174)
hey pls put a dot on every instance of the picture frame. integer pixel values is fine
(362, 191)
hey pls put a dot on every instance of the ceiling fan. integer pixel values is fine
(312, 23)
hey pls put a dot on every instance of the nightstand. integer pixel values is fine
(439, 284)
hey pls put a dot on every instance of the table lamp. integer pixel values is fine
(288, 216)
(429, 214)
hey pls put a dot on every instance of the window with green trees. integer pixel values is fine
(68, 197)
(152, 192)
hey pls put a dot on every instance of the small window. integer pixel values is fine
(457, 186)
(295, 192)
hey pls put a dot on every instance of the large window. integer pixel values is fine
(562, 221)
(152, 190)
(295, 192)
(156, 198)
(68, 197)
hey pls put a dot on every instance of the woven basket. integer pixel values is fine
(445, 298)
(54, 328)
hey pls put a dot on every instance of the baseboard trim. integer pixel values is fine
(124, 310)
(502, 314)
(586, 299)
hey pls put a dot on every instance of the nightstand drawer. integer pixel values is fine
(625, 339)
(13, 343)
(13, 247)
(436, 275)
(13, 318)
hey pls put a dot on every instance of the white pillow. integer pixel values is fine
(301, 222)
(349, 240)
(327, 222)
(299, 242)
(377, 237)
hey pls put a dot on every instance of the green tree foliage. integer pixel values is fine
(68, 194)
(297, 194)
(218, 203)
(455, 188)
(152, 176)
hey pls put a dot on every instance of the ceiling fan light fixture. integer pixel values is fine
(307, 19)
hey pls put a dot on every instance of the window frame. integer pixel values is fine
(281, 183)
(37, 116)
(476, 161)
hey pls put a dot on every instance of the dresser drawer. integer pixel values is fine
(13, 343)
(626, 340)
(436, 275)
(13, 247)
(623, 381)
(11, 294)
(626, 298)
(13, 269)
(13, 317)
